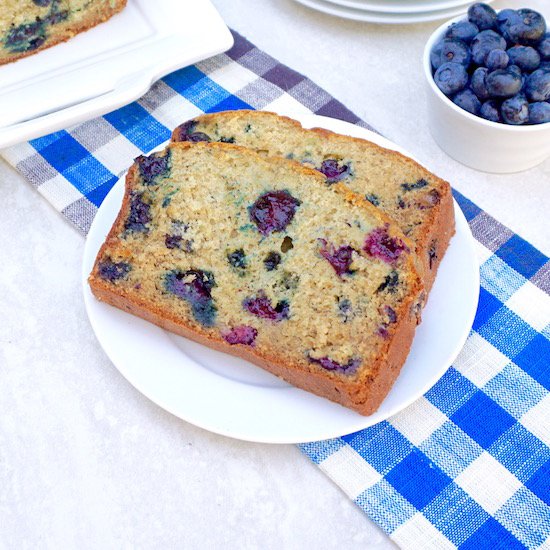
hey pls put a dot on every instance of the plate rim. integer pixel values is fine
(368, 16)
(360, 422)
(403, 9)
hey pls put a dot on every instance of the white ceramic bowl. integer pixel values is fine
(474, 141)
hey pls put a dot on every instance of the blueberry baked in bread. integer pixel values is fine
(417, 200)
(28, 26)
(255, 256)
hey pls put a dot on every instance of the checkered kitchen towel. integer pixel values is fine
(468, 464)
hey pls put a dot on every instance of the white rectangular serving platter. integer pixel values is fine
(106, 67)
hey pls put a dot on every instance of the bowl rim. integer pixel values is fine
(436, 35)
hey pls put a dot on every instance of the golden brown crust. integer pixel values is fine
(439, 226)
(64, 32)
(432, 247)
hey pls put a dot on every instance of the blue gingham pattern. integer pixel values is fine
(466, 466)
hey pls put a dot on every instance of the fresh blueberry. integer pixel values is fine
(329, 364)
(339, 258)
(152, 166)
(537, 87)
(515, 110)
(504, 83)
(140, 214)
(544, 47)
(273, 211)
(477, 83)
(260, 306)
(111, 271)
(195, 287)
(484, 43)
(451, 78)
(26, 37)
(333, 171)
(505, 20)
(237, 259)
(545, 66)
(490, 110)
(450, 51)
(497, 59)
(379, 244)
(186, 132)
(419, 184)
(242, 334)
(539, 112)
(463, 30)
(482, 15)
(528, 29)
(525, 57)
(272, 261)
(467, 100)
(524, 77)
(390, 283)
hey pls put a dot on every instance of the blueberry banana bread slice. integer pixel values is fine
(420, 202)
(253, 256)
(28, 26)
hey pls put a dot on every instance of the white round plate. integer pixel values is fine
(402, 7)
(232, 397)
(376, 16)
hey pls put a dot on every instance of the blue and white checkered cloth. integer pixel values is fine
(468, 464)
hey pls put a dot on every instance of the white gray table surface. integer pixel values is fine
(85, 460)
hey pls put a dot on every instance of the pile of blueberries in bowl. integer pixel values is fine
(496, 65)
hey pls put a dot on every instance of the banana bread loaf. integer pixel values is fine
(28, 26)
(254, 256)
(420, 202)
